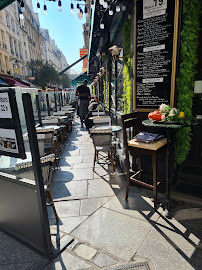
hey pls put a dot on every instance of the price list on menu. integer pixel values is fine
(154, 52)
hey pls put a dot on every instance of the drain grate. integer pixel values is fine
(136, 266)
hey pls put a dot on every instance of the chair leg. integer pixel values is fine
(52, 204)
(94, 159)
(127, 174)
(112, 159)
(154, 179)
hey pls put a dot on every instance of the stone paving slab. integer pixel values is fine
(88, 165)
(103, 260)
(88, 158)
(115, 233)
(99, 188)
(137, 206)
(65, 209)
(88, 206)
(67, 261)
(85, 252)
(74, 159)
(68, 153)
(73, 175)
(68, 224)
(69, 191)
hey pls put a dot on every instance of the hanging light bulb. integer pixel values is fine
(38, 7)
(85, 12)
(22, 6)
(59, 6)
(101, 2)
(80, 15)
(124, 7)
(72, 8)
(92, 2)
(21, 15)
(78, 8)
(105, 5)
(110, 11)
(102, 26)
(118, 9)
(45, 10)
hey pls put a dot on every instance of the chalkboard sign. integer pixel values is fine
(156, 28)
(11, 141)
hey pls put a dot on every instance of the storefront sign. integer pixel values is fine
(156, 25)
(11, 141)
(5, 109)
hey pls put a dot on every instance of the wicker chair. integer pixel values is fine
(102, 141)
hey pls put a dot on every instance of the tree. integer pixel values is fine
(44, 74)
(65, 80)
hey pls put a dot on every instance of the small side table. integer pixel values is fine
(168, 127)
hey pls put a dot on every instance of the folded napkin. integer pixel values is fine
(147, 137)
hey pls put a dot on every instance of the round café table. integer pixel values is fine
(166, 126)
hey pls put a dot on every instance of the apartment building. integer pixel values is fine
(23, 40)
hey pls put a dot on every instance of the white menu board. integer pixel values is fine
(5, 109)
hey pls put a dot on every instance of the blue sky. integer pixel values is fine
(64, 27)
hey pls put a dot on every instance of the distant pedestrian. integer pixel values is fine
(83, 93)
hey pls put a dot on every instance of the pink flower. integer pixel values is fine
(163, 116)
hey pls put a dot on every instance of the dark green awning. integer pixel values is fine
(4, 3)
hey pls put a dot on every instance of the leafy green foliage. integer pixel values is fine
(65, 80)
(127, 90)
(93, 90)
(185, 81)
(106, 92)
(44, 74)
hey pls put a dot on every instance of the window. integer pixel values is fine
(6, 61)
(7, 21)
(2, 37)
(11, 45)
(22, 71)
(1, 68)
(12, 25)
(16, 48)
(20, 51)
(26, 54)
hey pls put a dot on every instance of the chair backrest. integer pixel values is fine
(59, 113)
(130, 126)
(49, 137)
(102, 121)
(101, 137)
(25, 169)
(50, 122)
(41, 143)
(97, 113)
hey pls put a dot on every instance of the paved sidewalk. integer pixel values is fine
(109, 231)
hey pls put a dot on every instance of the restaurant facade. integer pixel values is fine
(159, 62)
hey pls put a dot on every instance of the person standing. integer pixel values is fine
(83, 93)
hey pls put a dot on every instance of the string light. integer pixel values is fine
(85, 12)
(21, 15)
(110, 11)
(124, 7)
(80, 15)
(38, 7)
(101, 2)
(45, 10)
(78, 8)
(72, 8)
(102, 26)
(118, 9)
(105, 5)
(59, 6)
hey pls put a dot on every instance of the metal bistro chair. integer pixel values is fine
(130, 124)
(56, 122)
(102, 141)
(98, 113)
(25, 170)
(102, 121)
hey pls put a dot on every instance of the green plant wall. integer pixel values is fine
(127, 94)
(93, 90)
(106, 91)
(185, 80)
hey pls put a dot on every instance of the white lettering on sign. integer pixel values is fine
(5, 109)
(154, 48)
(152, 80)
(154, 8)
(8, 140)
